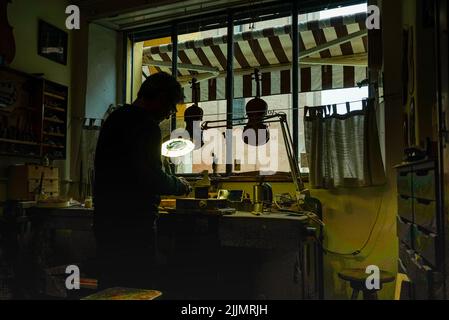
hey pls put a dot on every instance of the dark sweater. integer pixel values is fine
(129, 177)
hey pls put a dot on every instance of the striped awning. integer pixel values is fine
(333, 55)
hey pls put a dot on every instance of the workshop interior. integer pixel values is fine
(313, 136)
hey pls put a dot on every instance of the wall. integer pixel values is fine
(95, 84)
(102, 71)
(92, 72)
(349, 215)
(23, 16)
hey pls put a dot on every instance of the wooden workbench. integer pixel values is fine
(238, 256)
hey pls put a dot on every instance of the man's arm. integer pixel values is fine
(153, 174)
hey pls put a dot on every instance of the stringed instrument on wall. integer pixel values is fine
(256, 110)
(7, 43)
(193, 115)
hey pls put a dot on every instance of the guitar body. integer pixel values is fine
(7, 43)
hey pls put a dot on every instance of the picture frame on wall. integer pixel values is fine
(52, 42)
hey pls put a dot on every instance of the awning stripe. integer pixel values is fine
(346, 47)
(320, 39)
(276, 46)
(240, 57)
(272, 48)
(258, 53)
(184, 59)
(220, 56)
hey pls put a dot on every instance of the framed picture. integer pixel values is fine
(52, 42)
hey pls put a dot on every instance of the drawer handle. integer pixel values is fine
(404, 197)
(403, 174)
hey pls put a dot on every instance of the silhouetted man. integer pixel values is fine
(129, 180)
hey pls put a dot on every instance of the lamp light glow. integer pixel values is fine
(177, 148)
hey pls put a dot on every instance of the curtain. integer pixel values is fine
(90, 132)
(343, 149)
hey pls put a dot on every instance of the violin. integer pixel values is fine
(193, 115)
(7, 44)
(256, 110)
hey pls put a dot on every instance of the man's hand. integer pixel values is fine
(186, 184)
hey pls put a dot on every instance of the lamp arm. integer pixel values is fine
(288, 141)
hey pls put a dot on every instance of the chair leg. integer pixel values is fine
(355, 294)
(370, 295)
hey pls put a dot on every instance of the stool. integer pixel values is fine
(124, 294)
(357, 280)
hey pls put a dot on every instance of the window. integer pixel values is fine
(328, 75)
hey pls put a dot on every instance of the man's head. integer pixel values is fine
(160, 93)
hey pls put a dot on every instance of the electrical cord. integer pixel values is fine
(357, 252)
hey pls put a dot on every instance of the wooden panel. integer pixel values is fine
(51, 173)
(34, 171)
(49, 186)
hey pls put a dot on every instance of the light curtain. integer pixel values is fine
(343, 149)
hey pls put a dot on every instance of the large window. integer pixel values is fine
(332, 70)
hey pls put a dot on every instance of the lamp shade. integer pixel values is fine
(177, 147)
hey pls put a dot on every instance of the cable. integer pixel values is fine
(357, 252)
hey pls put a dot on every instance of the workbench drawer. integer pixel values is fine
(425, 244)
(404, 231)
(426, 214)
(260, 233)
(49, 186)
(404, 182)
(35, 172)
(405, 207)
(424, 182)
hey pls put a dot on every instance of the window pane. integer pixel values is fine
(265, 46)
(203, 62)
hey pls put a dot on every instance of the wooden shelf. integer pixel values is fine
(55, 108)
(54, 120)
(52, 95)
(29, 156)
(27, 108)
(45, 103)
(28, 143)
(54, 134)
(52, 146)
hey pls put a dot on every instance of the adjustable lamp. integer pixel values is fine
(177, 148)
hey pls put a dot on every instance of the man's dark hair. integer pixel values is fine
(159, 84)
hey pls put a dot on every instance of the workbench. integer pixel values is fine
(238, 256)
